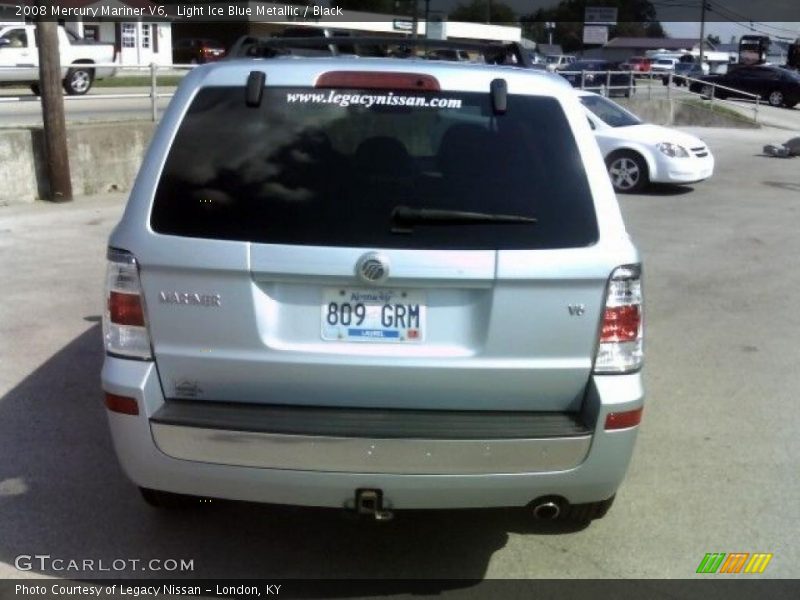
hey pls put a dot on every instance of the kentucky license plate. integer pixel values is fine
(372, 315)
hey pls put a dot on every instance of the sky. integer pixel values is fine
(721, 16)
(726, 30)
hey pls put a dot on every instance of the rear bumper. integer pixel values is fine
(368, 455)
(326, 471)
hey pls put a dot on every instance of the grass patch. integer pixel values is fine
(720, 109)
(138, 81)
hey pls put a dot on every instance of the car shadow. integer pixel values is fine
(765, 155)
(792, 186)
(666, 189)
(62, 493)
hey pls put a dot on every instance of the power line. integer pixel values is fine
(729, 15)
(733, 16)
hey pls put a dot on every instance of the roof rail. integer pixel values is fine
(499, 53)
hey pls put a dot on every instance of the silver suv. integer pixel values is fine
(374, 284)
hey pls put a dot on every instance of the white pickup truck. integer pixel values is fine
(19, 59)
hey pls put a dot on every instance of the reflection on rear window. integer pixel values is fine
(609, 111)
(327, 167)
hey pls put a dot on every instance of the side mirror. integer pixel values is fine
(4, 42)
(591, 123)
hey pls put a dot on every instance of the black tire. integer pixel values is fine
(37, 91)
(168, 500)
(776, 98)
(628, 171)
(79, 80)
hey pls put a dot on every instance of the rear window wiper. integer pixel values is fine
(405, 217)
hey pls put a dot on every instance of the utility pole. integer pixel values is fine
(550, 26)
(415, 21)
(55, 129)
(702, 33)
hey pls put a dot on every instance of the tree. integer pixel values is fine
(483, 11)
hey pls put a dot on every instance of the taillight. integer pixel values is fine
(366, 80)
(124, 322)
(620, 347)
(623, 420)
(122, 404)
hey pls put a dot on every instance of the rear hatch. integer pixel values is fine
(341, 247)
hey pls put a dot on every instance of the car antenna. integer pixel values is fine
(255, 88)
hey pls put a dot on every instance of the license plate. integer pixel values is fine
(373, 315)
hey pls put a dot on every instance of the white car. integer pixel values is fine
(556, 62)
(638, 153)
(19, 59)
(663, 65)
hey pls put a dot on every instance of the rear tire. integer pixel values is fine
(168, 500)
(78, 80)
(776, 98)
(628, 172)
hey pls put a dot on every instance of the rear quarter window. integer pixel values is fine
(328, 167)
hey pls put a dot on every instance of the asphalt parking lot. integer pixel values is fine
(715, 468)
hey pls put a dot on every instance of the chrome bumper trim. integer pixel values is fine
(365, 455)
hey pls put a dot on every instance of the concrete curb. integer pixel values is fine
(103, 158)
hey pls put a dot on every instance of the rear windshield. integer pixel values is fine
(329, 168)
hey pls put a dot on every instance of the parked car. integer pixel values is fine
(320, 293)
(305, 32)
(638, 153)
(449, 54)
(594, 75)
(197, 51)
(779, 87)
(19, 59)
(663, 65)
(556, 62)
(640, 65)
(682, 71)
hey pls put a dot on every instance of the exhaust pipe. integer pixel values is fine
(546, 511)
